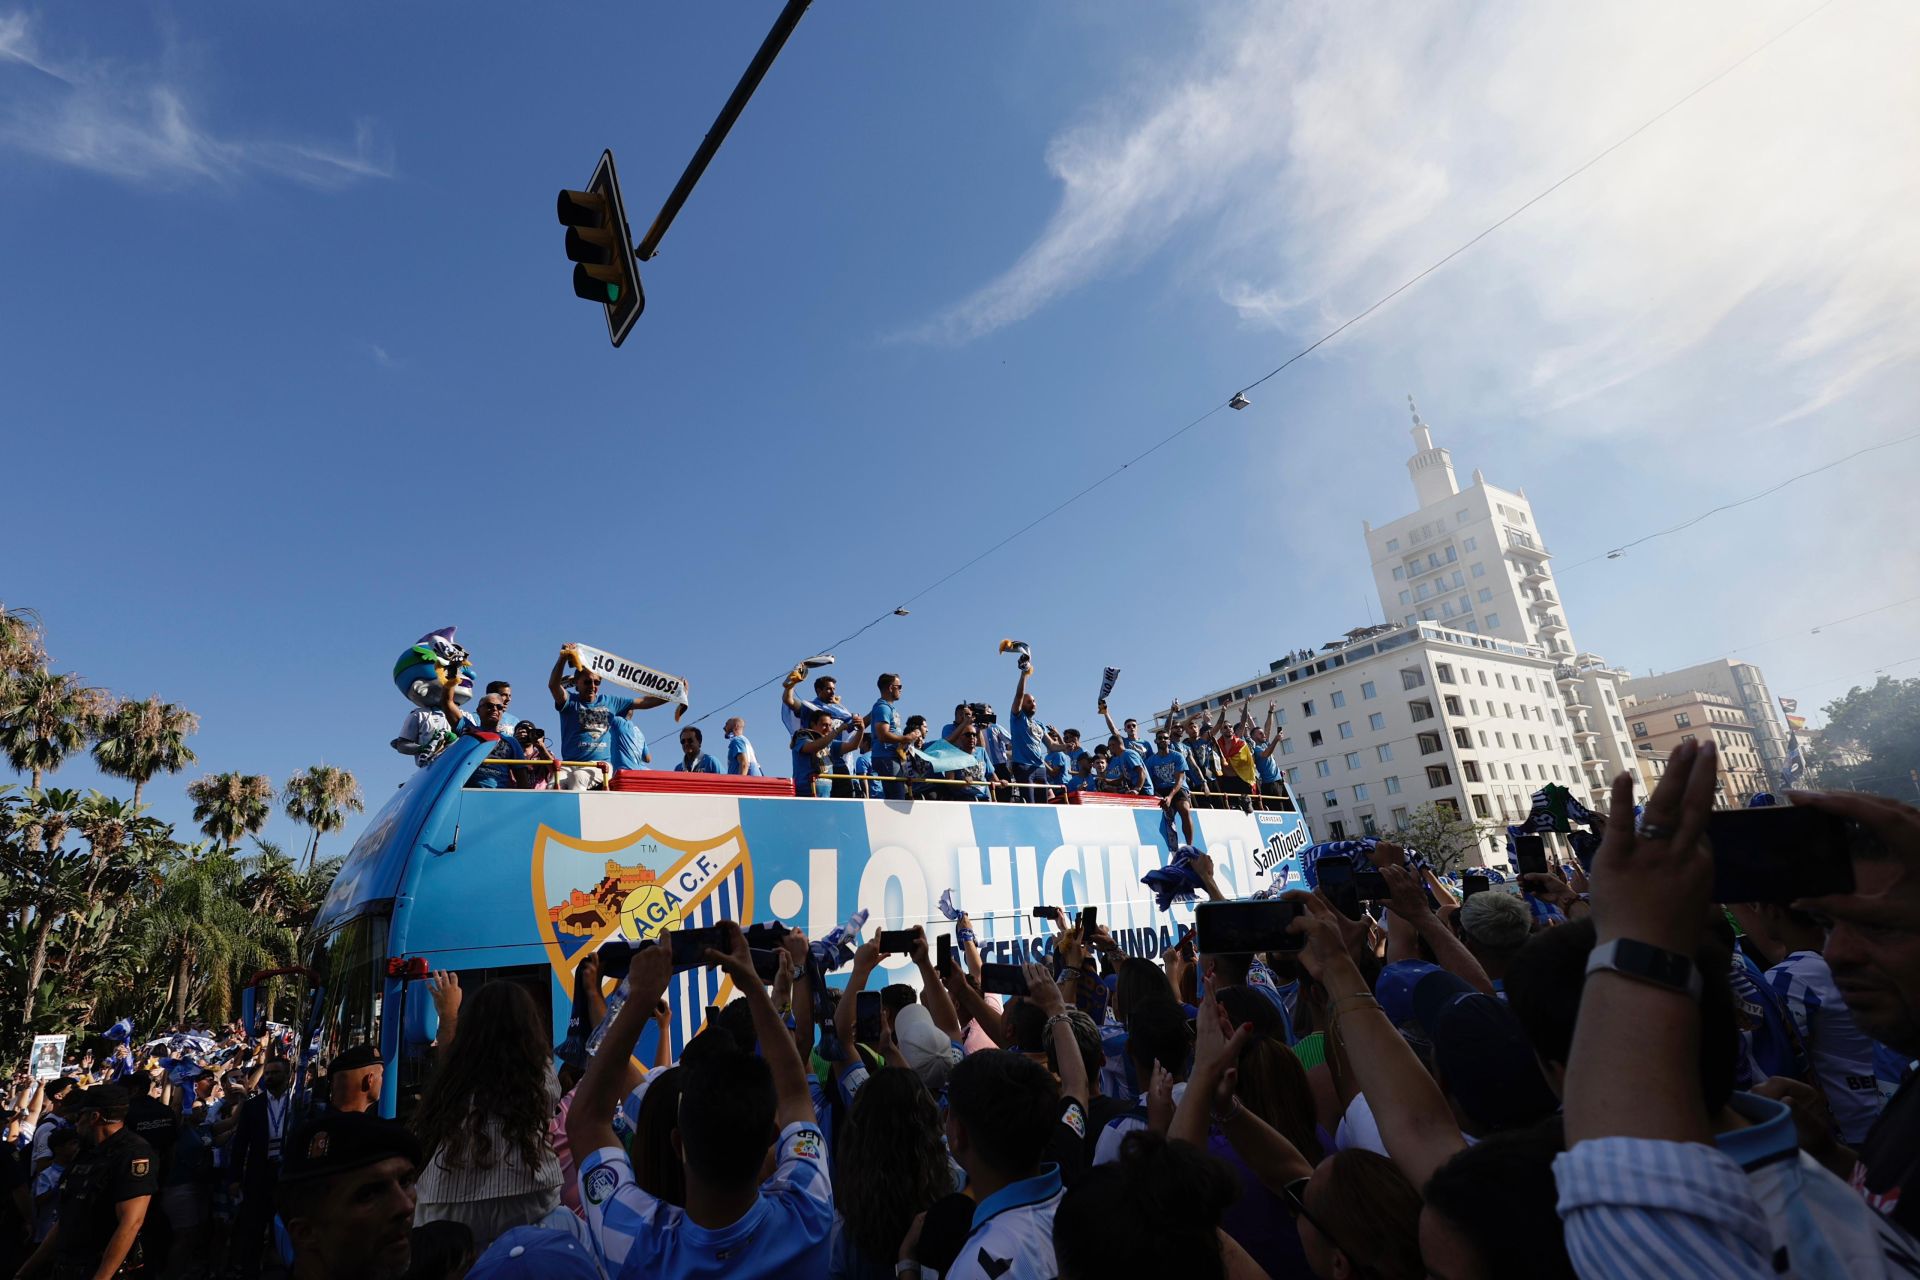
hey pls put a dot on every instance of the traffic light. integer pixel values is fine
(601, 248)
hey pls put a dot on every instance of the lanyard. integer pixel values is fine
(277, 1120)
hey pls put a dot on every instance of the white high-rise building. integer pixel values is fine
(1474, 560)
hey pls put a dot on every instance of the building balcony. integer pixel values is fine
(1549, 624)
(1584, 732)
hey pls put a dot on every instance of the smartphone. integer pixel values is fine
(690, 944)
(867, 1007)
(616, 954)
(1335, 874)
(767, 937)
(1371, 885)
(943, 960)
(896, 942)
(1778, 854)
(1225, 928)
(1003, 979)
(1088, 921)
(1530, 854)
(1054, 914)
(713, 1014)
(1185, 944)
(1472, 882)
(766, 963)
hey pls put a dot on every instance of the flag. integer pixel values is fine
(1789, 704)
(1797, 723)
(1107, 681)
(1796, 762)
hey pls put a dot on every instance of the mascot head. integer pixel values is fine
(426, 668)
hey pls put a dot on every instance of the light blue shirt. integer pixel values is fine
(629, 746)
(1638, 1207)
(702, 763)
(884, 714)
(586, 725)
(739, 749)
(1029, 740)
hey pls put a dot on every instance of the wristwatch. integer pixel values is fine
(1644, 962)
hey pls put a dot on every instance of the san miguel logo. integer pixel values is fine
(586, 892)
(1280, 846)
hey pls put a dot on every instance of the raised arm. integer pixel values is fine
(1020, 688)
(445, 988)
(799, 990)
(938, 1000)
(1415, 1122)
(1066, 1049)
(1410, 905)
(555, 677)
(865, 960)
(597, 1097)
(794, 1103)
(1113, 730)
(1211, 1094)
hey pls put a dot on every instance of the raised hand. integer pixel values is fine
(1651, 883)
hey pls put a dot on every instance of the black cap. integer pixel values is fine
(344, 1140)
(357, 1058)
(110, 1100)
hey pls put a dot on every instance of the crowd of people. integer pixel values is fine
(1633, 1082)
(1189, 760)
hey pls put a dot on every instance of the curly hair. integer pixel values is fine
(891, 1161)
(497, 1066)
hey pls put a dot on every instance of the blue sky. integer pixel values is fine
(291, 371)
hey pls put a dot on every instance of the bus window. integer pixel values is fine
(348, 986)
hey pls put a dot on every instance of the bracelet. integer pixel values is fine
(1233, 1109)
(964, 935)
(1068, 971)
(1371, 1003)
(1058, 1018)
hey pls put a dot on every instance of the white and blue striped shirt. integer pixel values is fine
(1013, 1232)
(1639, 1207)
(783, 1234)
(1841, 1053)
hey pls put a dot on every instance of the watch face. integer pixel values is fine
(1668, 968)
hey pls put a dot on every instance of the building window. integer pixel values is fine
(1480, 808)
(1499, 738)
(1446, 608)
(1443, 673)
(1359, 791)
(1470, 770)
(1330, 798)
(1526, 771)
(1493, 620)
(1468, 544)
(1499, 680)
(1452, 703)
(1321, 768)
(1452, 555)
(1368, 827)
(1293, 776)
(1483, 678)
(1339, 699)
(1422, 591)
(1421, 709)
(1393, 544)
(1686, 737)
(1337, 829)
(1509, 769)
(1606, 693)
(1399, 574)
(1306, 708)
(1533, 741)
(1483, 736)
(1353, 759)
(1406, 597)
(1463, 739)
(1412, 678)
(1279, 714)
(1399, 817)
(1366, 689)
(1376, 721)
(1429, 743)
(1313, 737)
(1682, 720)
(1383, 752)
(1286, 746)
(1449, 804)
(1346, 728)
(1439, 776)
(1485, 596)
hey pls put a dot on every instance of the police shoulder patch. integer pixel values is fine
(139, 1165)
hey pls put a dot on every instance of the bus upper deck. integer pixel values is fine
(519, 884)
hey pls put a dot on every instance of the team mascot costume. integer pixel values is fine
(423, 675)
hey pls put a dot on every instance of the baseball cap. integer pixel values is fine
(1394, 988)
(357, 1058)
(344, 1140)
(110, 1100)
(539, 1253)
(1482, 1054)
(926, 1047)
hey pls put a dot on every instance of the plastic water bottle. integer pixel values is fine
(614, 1001)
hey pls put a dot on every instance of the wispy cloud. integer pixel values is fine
(1307, 159)
(382, 357)
(135, 125)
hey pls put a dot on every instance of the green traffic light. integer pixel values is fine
(613, 292)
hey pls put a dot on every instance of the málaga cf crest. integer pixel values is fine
(588, 891)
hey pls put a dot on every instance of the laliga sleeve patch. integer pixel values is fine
(1075, 1119)
(599, 1184)
(805, 1145)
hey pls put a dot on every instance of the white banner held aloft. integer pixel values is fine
(49, 1052)
(632, 674)
(1107, 681)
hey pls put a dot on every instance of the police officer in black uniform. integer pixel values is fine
(105, 1198)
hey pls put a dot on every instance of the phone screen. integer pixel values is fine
(1335, 874)
(1778, 854)
(616, 954)
(1089, 920)
(1225, 928)
(1471, 883)
(896, 942)
(690, 945)
(1003, 980)
(943, 960)
(1530, 854)
(1371, 885)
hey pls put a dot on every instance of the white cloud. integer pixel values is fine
(1307, 159)
(131, 124)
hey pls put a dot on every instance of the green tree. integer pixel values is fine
(1446, 838)
(138, 739)
(231, 805)
(202, 933)
(22, 643)
(45, 717)
(45, 881)
(320, 798)
(1872, 739)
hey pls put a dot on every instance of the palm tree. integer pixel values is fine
(21, 646)
(231, 805)
(202, 932)
(139, 739)
(321, 798)
(44, 718)
(48, 878)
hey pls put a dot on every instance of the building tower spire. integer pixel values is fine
(1430, 466)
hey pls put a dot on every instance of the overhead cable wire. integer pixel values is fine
(1322, 340)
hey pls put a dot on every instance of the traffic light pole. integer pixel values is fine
(756, 70)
